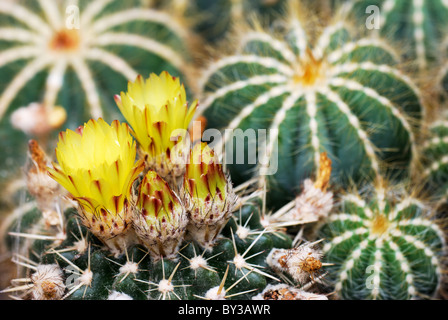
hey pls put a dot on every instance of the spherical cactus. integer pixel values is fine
(62, 62)
(336, 94)
(419, 25)
(383, 246)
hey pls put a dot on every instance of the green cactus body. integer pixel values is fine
(420, 25)
(340, 95)
(49, 60)
(382, 248)
(90, 272)
(435, 150)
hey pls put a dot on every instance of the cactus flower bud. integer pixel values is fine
(208, 195)
(160, 219)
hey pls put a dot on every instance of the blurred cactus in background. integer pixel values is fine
(384, 245)
(332, 93)
(418, 26)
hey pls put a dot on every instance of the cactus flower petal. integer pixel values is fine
(158, 112)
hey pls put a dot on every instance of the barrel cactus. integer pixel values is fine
(335, 93)
(130, 202)
(62, 62)
(419, 25)
(384, 245)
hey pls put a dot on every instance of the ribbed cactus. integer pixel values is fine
(62, 62)
(435, 151)
(335, 93)
(417, 25)
(384, 246)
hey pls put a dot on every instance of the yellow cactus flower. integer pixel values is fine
(97, 167)
(160, 221)
(208, 195)
(158, 112)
